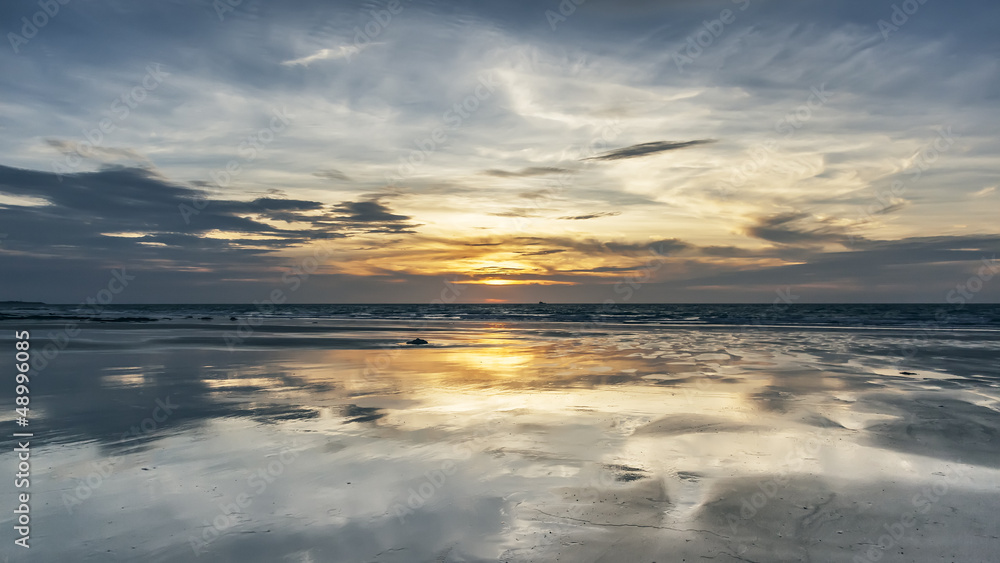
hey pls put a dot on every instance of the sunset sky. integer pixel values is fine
(671, 151)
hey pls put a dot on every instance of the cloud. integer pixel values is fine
(370, 211)
(796, 228)
(525, 172)
(332, 174)
(984, 192)
(341, 52)
(895, 204)
(645, 149)
(516, 213)
(97, 153)
(879, 270)
(544, 252)
(274, 204)
(371, 216)
(590, 246)
(133, 213)
(591, 216)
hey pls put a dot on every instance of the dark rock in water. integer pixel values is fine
(206, 318)
(354, 413)
(232, 318)
(906, 373)
(417, 341)
(626, 474)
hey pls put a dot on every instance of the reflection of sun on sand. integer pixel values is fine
(497, 361)
(670, 465)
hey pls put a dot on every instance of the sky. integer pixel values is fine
(406, 151)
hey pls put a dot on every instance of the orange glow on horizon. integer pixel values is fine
(496, 281)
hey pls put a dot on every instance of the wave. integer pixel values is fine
(927, 316)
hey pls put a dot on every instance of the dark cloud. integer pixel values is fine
(591, 246)
(367, 212)
(369, 216)
(663, 247)
(644, 149)
(728, 251)
(893, 207)
(796, 228)
(525, 172)
(602, 270)
(945, 248)
(332, 174)
(121, 200)
(879, 270)
(135, 214)
(543, 252)
(272, 204)
(591, 216)
(515, 213)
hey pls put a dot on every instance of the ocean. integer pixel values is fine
(915, 316)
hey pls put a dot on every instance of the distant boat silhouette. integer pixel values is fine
(541, 303)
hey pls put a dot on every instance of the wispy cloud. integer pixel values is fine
(590, 216)
(332, 174)
(645, 149)
(97, 153)
(341, 52)
(525, 172)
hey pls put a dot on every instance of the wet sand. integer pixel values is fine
(512, 442)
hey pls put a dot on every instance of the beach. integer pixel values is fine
(315, 439)
(394, 281)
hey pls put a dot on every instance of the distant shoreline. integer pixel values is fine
(547, 303)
